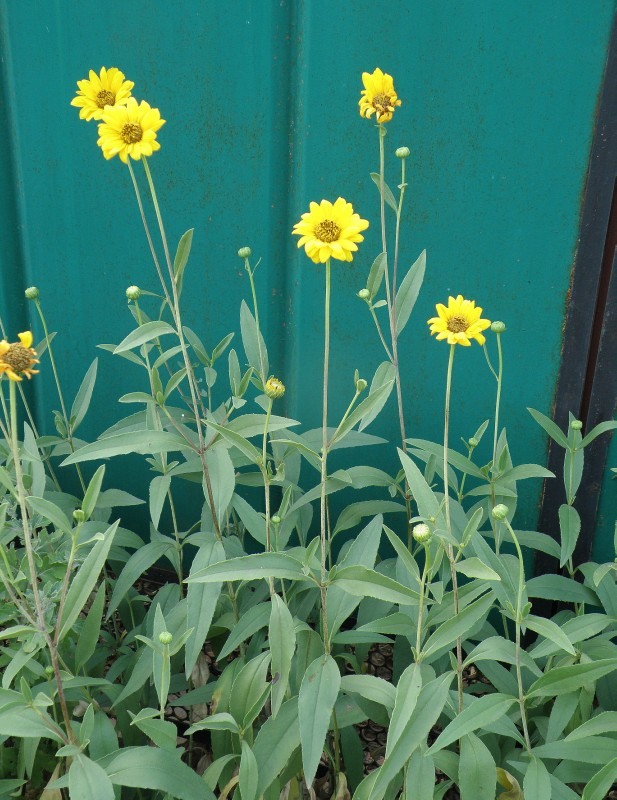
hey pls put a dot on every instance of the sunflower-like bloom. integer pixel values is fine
(18, 358)
(330, 230)
(130, 130)
(97, 91)
(274, 388)
(459, 322)
(378, 96)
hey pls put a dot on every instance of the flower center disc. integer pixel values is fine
(327, 231)
(17, 357)
(131, 132)
(457, 324)
(105, 98)
(382, 102)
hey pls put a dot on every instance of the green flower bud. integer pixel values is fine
(79, 515)
(422, 533)
(244, 252)
(133, 293)
(165, 637)
(498, 327)
(576, 425)
(49, 671)
(473, 442)
(402, 152)
(276, 520)
(364, 294)
(32, 292)
(274, 388)
(361, 385)
(500, 511)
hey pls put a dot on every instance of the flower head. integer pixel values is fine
(459, 322)
(378, 96)
(330, 230)
(130, 130)
(274, 388)
(18, 358)
(98, 91)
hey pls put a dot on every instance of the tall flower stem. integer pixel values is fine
(251, 274)
(40, 614)
(425, 573)
(391, 301)
(190, 374)
(67, 424)
(266, 477)
(324, 460)
(449, 549)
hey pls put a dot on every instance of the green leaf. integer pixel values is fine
(408, 291)
(474, 568)
(222, 721)
(603, 427)
(553, 430)
(407, 693)
(250, 568)
(375, 276)
(599, 786)
(524, 471)
(252, 620)
(250, 690)
(201, 600)
(354, 512)
(88, 780)
(456, 460)
(551, 631)
(458, 625)
(92, 492)
(477, 777)
(362, 410)
(387, 192)
(275, 743)
(80, 406)
(91, 630)
(480, 712)
(253, 342)
(235, 439)
(282, 641)
(249, 425)
(431, 700)
(377, 690)
(384, 376)
(182, 255)
(137, 564)
(428, 505)
(23, 722)
(558, 587)
(318, 693)
(361, 581)
(605, 722)
(537, 782)
(567, 679)
(145, 333)
(420, 776)
(249, 776)
(120, 444)
(570, 527)
(222, 481)
(51, 512)
(157, 493)
(85, 580)
(152, 768)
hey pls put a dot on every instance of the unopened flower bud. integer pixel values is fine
(498, 327)
(244, 252)
(32, 292)
(165, 637)
(402, 152)
(79, 515)
(421, 533)
(133, 293)
(473, 442)
(276, 520)
(364, 294)
(274, 388)
(500, 511)
(49, 671)
(576, 425)
(361, 385)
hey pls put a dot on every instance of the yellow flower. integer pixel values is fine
(107, 89)
(330, 230)
(378, 96)
(459, 322)
(274, 388)
(130, 130)
(18, 358)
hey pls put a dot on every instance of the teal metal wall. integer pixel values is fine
(260, 100)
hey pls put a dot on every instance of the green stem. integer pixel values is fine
(449, 549)
(266, 477)
(498, 378)
(324, 460)
(262, 372)
(381, 336)
(65, 585)
(425, 572)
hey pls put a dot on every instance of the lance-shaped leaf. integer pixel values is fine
(145, 333)
(318, 694)
(408, 291)
(363, 581)
(120, 444)
(250, 568)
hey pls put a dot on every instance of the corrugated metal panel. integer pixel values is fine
(261, 107)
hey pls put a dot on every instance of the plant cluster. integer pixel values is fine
(264, 641)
